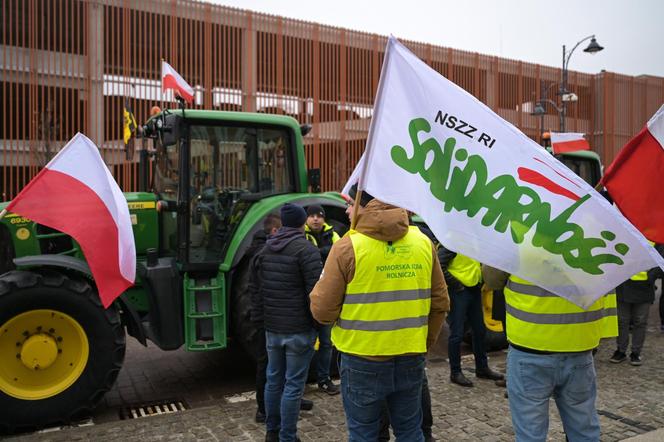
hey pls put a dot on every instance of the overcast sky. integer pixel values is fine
(632, 32)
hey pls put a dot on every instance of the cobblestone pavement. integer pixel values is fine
(630, 402)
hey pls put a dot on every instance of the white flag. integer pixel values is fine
(488, 191)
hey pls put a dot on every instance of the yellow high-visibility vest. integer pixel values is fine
(641, 276)
(312, 238)
(386, 307)
(466, 270)
(610, 320)
(540, 320)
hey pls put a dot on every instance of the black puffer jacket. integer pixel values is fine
(445, 256)
(640, 292)
(285, 272)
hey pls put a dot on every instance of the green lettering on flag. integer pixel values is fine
(508, 204)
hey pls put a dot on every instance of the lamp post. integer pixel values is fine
(593, 48)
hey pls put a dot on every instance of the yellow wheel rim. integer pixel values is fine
(43, 353)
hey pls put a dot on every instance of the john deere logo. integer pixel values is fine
(392, 251)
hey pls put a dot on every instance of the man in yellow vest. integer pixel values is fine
(463, 276)
(550, 355)
(384, 291)
(323, 236)
(634, 298)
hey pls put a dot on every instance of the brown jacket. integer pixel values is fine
(386, 223)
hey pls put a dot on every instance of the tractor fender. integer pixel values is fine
(129, 315)
(58, 261)
(253, 223)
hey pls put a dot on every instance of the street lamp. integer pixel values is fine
(540, 111)
(540, 107)
(593, 48)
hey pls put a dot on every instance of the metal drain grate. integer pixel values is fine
(153, 409)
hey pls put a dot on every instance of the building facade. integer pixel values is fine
(69, 66)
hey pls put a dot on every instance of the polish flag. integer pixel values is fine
(170, 79)
(634, 179)
(562, 142)
(76, 194)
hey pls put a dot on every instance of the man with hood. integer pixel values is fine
(285, 271)
(383, 289)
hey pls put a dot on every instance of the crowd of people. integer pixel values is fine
(380, 294)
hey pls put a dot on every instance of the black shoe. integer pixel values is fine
(635, 359)
(306, 404)
(260, 417)
(460, 379)
(487, 373)
(272, 436)
(501, 383)
(328, 387)
(618, 357)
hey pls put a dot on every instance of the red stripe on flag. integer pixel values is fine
(570, 146)
(170, 82)
(85, 218)
(536, 178)
(634, 181)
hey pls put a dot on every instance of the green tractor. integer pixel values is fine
(213, 179)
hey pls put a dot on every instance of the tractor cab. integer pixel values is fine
(208, 171)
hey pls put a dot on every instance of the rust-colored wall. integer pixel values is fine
(68, 65)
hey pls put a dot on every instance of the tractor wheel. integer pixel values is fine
(243, 329)
(60, 350)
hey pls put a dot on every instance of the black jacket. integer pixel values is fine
(640, 292)
(284, 273)
(445, 256)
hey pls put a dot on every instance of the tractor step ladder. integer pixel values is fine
(205, 313)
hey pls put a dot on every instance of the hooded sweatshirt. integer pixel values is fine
(285, 271)
(383, 222)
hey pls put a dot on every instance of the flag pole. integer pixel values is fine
(372, 129)
(3, 213)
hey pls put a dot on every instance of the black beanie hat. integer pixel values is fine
(366, 196)
(293, 215)
(316, 210)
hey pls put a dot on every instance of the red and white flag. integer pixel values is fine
(76, 194)
(634, 179)
(562, 142)
(170, 79)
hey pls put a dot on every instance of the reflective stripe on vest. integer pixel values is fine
(386, 307)
(540, 320)
(466, 270)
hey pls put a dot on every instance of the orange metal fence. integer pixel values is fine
(70, 65)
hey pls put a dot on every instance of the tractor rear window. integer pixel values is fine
(586, 168)
(244, 159)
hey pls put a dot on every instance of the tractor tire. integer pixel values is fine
(243, 329)
(61, 351)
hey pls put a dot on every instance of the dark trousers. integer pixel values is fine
(637, 316)
(466, 305)
(427, 416)
(261, 367)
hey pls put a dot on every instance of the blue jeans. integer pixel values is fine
(569, 378)
(287, 367)
(466, 304)
(367, 385)
(324, 353)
